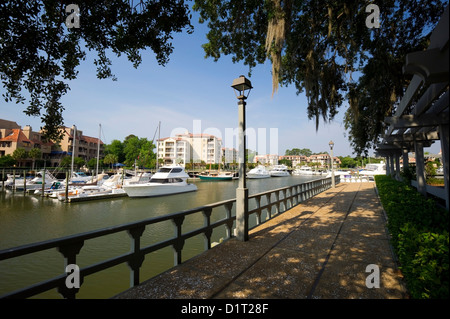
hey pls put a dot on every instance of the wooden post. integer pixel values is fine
(43, 183)
(67, 187)
(24, 181)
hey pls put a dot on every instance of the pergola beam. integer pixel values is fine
(411, 120)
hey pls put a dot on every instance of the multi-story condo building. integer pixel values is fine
(188, 147)
(86, 147)
(229, 155)
(173, 150)
(13, 137)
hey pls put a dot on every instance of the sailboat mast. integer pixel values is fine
(73, 148)
(98, 149)
(157, 145)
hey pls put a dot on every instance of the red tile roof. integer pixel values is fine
(16, 136)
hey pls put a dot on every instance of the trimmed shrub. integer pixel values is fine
(420, 237)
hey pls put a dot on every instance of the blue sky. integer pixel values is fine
(187, 90)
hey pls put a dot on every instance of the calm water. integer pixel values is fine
(26, 219)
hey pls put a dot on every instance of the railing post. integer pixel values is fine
(229, 224)
(137, 259)
(258, 212)
(70, 252)
(178, 246)
(208, 231)
(269, 205)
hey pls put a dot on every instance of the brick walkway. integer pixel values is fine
(319, 249)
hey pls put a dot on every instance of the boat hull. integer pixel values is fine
(279, 174)
(215, 178)
(153, 190)
(255, 176)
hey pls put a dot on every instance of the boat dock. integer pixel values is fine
(333, 245)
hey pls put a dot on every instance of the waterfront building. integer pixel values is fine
(267, 159)
(229, 155)
(321, 160)
(295, 159)
(173, 150)
(85, 146)
(13, 137)
(188, 147)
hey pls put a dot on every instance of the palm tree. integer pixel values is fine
(110, 159)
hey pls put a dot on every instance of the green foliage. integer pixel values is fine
(408, 174)
(7, 161)
(19, 154)
(77, 162)
(296, 151)
(424, 257)
(347, 162)
(317, 45)
(40, 54)
(131, 149)
(420, 237)
(286, 162)
(430, 170)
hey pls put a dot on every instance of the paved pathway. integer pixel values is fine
(318, 249)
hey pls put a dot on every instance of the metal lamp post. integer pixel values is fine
(331, 144)
(242, 87)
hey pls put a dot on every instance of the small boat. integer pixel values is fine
(259, 171)
(80, 178)
(36, 182)
(217, 176)
(166, 181)
(279, 171)
(304, 170)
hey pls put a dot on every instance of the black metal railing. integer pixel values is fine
(271, 203)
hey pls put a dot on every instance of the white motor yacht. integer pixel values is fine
(303, 170)
(279, 171)
(374, 169)
(258, 172)
(36, 182)
(168, 180)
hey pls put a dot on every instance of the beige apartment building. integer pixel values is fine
(188, 147)
(322, 160)
(13, 137)
(86, 147)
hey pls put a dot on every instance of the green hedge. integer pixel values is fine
(420, 237)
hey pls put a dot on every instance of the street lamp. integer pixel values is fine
(242, 87)
(331, 144)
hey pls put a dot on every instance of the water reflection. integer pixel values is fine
(27, 219)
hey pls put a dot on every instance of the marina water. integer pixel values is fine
(26, 219)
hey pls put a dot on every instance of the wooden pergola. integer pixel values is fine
(422, 116)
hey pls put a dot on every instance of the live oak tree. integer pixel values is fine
(327, 49)
(40, 53)
(322, 47)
